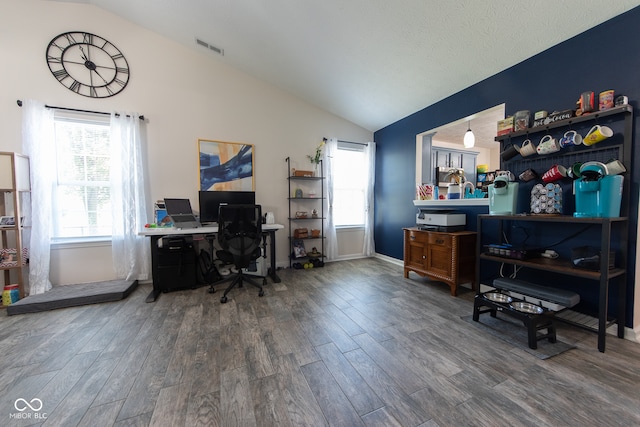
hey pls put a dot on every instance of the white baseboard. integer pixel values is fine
(386, 258)
(632, 334)
(348, 257)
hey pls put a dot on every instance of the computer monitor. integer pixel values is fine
(210, 202)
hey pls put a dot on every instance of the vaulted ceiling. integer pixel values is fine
(371, 62)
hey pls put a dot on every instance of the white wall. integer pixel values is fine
(184, 93)
(350, 242)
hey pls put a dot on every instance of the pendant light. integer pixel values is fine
(469, 138)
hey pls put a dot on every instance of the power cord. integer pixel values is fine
(549, 253)
(571, 236)
(513, 275)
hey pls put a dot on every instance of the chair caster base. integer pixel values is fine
(223, 300)
(261, 294)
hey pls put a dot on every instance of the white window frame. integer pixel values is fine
(343, 147)
(58, 240)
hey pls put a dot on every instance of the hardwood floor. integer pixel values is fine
(351, 344)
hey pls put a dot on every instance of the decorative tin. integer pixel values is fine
(505, 126)
(553, 117)
(521, 120)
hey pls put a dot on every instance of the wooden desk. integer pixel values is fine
(155, 234)
(447, 257)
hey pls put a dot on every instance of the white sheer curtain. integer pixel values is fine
(369, 244)
(130, 252)
(38, 142)
(331, 250)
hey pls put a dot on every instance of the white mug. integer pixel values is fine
(615, 167)
(548, 145)
(270, 218)
(527, 148)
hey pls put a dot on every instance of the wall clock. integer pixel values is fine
(87, 64)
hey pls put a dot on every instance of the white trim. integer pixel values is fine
(80, 243)
(348, 257)
(452, 202)
(395, 261)
(350, 227)
(632, 334)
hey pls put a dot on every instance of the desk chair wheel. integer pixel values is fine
(261, 293)
(223, 300)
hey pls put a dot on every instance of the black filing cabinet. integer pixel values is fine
(175, 263)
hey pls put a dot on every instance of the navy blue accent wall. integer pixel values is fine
(604, 57)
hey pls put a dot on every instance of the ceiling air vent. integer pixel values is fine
(211, 47)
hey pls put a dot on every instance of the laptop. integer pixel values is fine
(180, 212)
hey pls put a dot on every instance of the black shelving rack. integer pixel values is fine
(316, 180)
(618, 147)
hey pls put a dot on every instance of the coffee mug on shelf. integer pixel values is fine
(510, 152)
(573, 172)
(527, 148)
(556, 173)
(528, 175)
(548, 145)
(615, 167)
(597, 134)
(570, 138)
(507, 174)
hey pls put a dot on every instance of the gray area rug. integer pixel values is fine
(514, 332)
(74, 295)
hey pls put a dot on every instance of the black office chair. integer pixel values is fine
(239, 236)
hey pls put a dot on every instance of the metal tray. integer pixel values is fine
(527, 307)
(498, 297)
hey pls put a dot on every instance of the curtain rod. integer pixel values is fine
(348, 142)
(79, 111)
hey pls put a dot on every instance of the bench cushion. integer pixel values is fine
(558, 296)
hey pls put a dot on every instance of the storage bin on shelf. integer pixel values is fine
(10, 294)
(9, 257)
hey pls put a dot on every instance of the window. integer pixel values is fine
(350, 180)
(82, 191)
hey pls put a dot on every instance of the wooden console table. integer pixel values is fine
(446, 257)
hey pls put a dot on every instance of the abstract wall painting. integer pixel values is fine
(226, 166)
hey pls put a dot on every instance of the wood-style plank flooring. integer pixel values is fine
(351, 344)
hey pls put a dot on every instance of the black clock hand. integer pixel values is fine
(89, 64)
(84, 56)
(96, 71)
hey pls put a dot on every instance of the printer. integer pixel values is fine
(444, 220)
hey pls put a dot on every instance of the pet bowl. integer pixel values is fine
(527, 307)
(498, 297)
